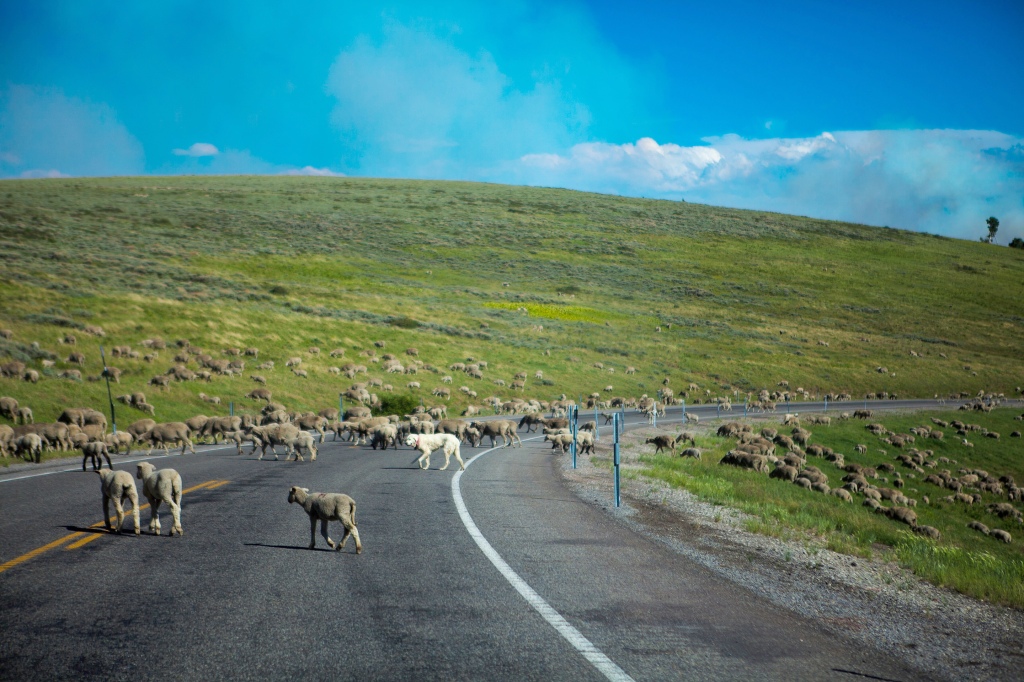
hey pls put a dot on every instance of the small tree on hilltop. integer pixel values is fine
(993, 227)
(1017, 243)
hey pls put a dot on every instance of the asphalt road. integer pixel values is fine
(241, 597)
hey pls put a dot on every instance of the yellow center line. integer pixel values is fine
(90, 536)
(36, 552)
(84, 541)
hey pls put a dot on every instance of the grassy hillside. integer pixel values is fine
(964, 559)
(504, 274)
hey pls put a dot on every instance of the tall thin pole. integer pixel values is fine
(597, 424)
(573, 413)
(616, 429)
(110, 396)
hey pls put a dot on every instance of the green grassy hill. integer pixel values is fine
(528, 279)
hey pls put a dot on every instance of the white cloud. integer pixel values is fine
(310, 170)
(415, 105)
(44, 133)
(198, 149)
(943, 181)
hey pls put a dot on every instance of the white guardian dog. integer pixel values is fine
(427, 443)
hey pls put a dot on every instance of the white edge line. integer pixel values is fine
(596, 657)
(123, 461)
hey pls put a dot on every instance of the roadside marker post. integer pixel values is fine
(684, 409)
(597, 424)
(719, 415)
(616, 429)
(744, 409)
(573, 414)
(826, 402)
(341, 407)
(110, 397)
(231, 408)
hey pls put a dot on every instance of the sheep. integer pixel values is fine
(293, 362)
(842, 494)
(325, 507)
(979, 526)
(259, 379)
(95, 451)
(690, 452)
(30, 376)
(159, 487)
(428, 443)
(119, 486)
(170, 433)
(259, 394)
(25, 415)
(301, 373)
(1001, 535)
(30, 444)
(115, 441)
(9, 407)
(662, 442)
(585, 442)
(928, 531)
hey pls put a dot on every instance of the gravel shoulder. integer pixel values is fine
(873, 602)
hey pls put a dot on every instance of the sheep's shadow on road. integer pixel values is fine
(100, 529)
(293, 547)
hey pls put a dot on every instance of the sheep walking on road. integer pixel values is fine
(119, 486)
(324, 507)
(427, 443)
(161, 486)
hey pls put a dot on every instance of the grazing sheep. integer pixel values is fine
(95, 451)
(325, 507)
(30, 376)
(30, 444)
(1001, 535)
(928, 531)
(259, 394)
(428, 443)
(25, 416)
(692, 418)
(119, 486)
(978, 526)
(663, 442)
(9, 407)
(159, 487)
(690, 452)
(842, 494)
(300, 373)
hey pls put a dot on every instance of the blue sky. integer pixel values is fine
(909, 114)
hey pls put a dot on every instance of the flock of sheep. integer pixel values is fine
(785, 457)
(429, 428)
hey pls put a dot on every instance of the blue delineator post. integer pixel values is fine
(826, 403)
(684, 409)
(110, 397)
(341, 407)
(744, 408)
(597, 424)
(573, 416)
(616, 429)
(231, 409)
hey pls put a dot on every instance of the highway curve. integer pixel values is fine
(240, 596)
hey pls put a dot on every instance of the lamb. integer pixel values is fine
(585, 442)
(158, 487)
(428, 443)
(690, 452)
(325, 507)
(686, 436)
(96, 451)
(119, 486)
(842, 494)
(692, 418)
(259, 394)
(25, 415)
